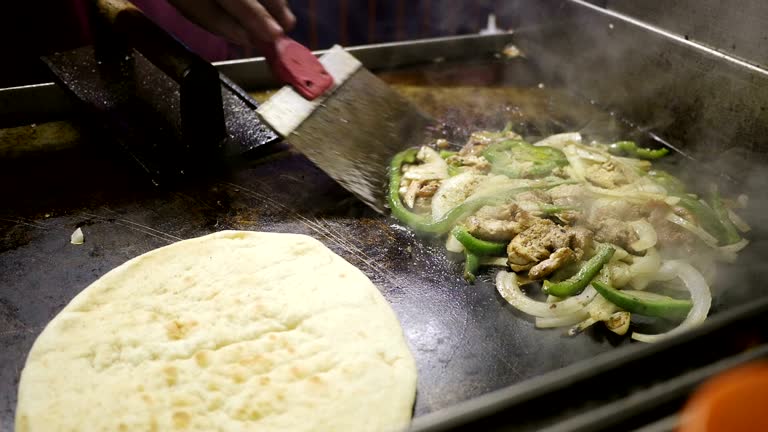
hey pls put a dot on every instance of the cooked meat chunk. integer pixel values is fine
(568, 195)
(533, 200)
(606, 175)
(612, 208)
(614, 231)
(477, 163)
(428, 189)
(670, 235)
(556, 260)
(499, 223)
(541, 239)
(478, 141)
(581, 240)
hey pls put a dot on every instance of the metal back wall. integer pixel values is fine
(698, 99)
(737, 28)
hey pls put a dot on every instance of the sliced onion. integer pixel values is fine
(453, 245)
(701, 297)
(563, 321)
(619, 322)
(735, 247)
(696, 230)
(559, 141)
(409, 197)
(590, 155)
(506, 284)
(646, 235)
(494, 261)
(578, 170)
(620, 253)
(645, 269)
(452, 192)
(667, 272)
(628, 194)
(729, 252)
(433, 167)
(738, 222)
(77, 237)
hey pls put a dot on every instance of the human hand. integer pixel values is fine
(245, 22)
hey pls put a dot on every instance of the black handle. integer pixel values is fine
(120, 26)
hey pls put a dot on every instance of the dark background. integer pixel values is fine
(31, 29)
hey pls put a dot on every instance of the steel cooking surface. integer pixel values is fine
(466, 340)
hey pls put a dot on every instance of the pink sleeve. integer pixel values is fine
(207, 45)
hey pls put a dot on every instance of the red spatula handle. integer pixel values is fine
(294, 64)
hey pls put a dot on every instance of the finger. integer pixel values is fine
(212, 17)
(255, 18)
(282, 13)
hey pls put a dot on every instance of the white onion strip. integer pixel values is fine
(579, 171)
(453, 245)
(697, 231)
(563, 321)
(647, 237)
(735, 247)
(560, 140)
(506, 284)
(738, 222)
(494, 261)
(630, 195)
(701, 297)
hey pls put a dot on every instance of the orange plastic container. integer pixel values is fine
(734, 401)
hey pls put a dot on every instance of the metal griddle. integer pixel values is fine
(467, 341)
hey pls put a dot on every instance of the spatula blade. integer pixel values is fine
(353, 132)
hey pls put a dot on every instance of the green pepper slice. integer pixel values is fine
(424, 223)
(645, 303)
(478, 246)
(471, 266)
(518, 159)
(672, 184)
(708, 219)
(730, 234)
(576, 283)
(631, 149)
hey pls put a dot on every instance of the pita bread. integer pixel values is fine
(233, 331)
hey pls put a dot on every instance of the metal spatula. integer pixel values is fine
(352, 130)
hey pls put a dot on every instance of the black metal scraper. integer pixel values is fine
(170, 110)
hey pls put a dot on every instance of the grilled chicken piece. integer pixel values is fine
(568, 195)
(499, 223)
(558, 259)
(614, 231)
(533, 200)
(541, 240)
(478, 141)
(606, 175)
(477, 163)
(428, 189)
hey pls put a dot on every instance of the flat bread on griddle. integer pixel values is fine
(233, 331)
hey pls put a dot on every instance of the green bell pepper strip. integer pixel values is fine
(518, 159)
(672, 184)
(478, 246)
(471, 266)
(730, 233)
(631, 149)
(576, 283)
(424, 223)
(445, 154)
(645, 303)
(706, 217)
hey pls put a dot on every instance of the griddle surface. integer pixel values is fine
(466, 340)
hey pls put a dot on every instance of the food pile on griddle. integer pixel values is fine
(602, 232)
